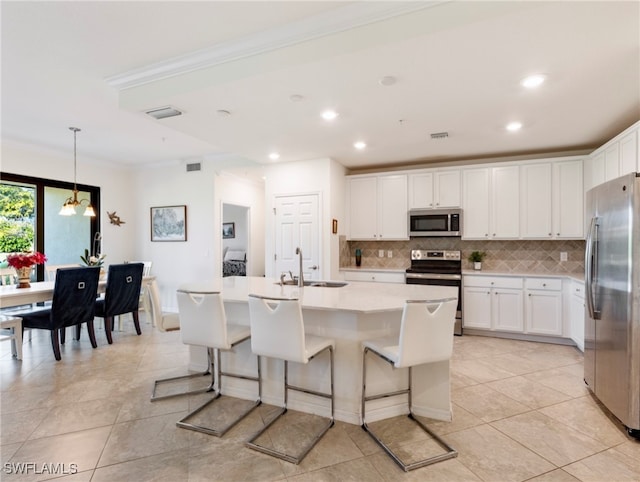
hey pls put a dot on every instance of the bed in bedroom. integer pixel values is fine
(234, 262)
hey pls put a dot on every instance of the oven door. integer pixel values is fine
(434, 279)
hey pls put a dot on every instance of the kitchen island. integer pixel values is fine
(349, 314)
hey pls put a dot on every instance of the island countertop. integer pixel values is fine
(355, 296)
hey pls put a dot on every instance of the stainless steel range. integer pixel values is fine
(439, 268)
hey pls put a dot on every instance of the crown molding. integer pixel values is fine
(321, 25)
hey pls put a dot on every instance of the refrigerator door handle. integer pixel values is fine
(591, 268)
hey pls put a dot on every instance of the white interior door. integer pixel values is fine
(297, 225)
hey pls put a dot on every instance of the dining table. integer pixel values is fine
(41, 291)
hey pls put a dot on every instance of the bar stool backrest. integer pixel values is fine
(426, 332)
(277, 328)
(202, 319)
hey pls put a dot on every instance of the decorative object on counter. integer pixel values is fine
(23, 263)
(358, 257)
(476, 258)
(115, 219)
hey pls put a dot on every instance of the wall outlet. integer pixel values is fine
(389, 254)
(563, 256)
(381, 253)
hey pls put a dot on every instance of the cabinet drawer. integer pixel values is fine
(376, 276)
(493, 282)
(553, 284)
(577, 289)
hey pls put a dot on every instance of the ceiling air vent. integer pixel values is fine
(194, 166)
(439, 135)
(163, 112)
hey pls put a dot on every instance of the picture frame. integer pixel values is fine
(169, 223)
(228, 230)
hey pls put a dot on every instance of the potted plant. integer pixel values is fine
(476, 258)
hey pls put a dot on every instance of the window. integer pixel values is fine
(29, 219)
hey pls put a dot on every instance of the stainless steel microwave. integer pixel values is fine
(435, 222)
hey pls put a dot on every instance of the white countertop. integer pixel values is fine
(359, 297)
(378, 270)
(524, 274)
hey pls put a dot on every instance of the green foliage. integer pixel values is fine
(477, 256)
(15, 236)
(16, 202)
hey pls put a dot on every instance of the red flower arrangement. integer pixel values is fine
(25, 260)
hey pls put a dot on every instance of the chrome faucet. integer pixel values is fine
(300, 276)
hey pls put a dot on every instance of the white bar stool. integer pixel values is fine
(278, 332)
(203, 322)
(426, 336)
(14, 325)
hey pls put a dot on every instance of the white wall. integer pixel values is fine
(323, 176)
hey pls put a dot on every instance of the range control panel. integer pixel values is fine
(421, 254)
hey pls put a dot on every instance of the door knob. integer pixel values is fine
(313, 267)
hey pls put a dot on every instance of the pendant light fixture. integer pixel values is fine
(69, 206)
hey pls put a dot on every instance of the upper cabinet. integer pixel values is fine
(434, 189)
(490, 202)
(568, 200)
(617, 157)
(378, 207)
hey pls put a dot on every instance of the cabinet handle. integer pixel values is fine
(544, 284)
(550, 234)
(529, 294)
(494, 235)
(557, 234)
(486, 235)
(488, 292)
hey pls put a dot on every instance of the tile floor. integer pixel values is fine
(521, 412)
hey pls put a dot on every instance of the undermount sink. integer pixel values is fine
(322, 284)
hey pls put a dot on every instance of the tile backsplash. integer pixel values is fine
(507, 256)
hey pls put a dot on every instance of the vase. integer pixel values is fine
(24, 277)
(358, 257)
(477, 265)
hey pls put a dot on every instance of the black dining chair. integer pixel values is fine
(73, 303)
(122, 295)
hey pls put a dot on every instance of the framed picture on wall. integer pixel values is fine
(228, 230)
(169, 223)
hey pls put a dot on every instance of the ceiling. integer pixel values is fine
(457, 68)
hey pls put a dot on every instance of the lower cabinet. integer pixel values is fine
(577, 313)
(543, 306)
(493, 303)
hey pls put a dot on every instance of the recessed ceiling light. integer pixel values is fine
(533, 81)
(274, 156)
(514, 126)
(387, 80)
(329, 115)
(359, 145)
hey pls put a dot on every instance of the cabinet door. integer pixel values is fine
(611, 161)
(392, 207)
(597, 170)
(421, 190)
(536, 201)
(544, 312)
(447, 189)
(505, 197)
(628, 154)
(475, 203)
(363, 208)
(477, 308)
(507, 310)
(568, 219)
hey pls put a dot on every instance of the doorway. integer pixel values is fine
(235, 240)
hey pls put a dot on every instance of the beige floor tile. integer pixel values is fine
(557, 475)
(492, 456)
(73, 417)
(462, 419)
(528, 392)
(547, 437)
(567, 379)
(611, 465)
(18, 426)
(451, 470)
(480, 370)
(171, 466)
(486, 403)
(353, 470)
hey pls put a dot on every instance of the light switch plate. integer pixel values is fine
(381, 253)
(563, 256)
(389, 254)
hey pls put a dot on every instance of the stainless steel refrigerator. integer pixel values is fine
(612, 281)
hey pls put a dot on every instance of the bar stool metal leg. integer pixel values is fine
(210, 388)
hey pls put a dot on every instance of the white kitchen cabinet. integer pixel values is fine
(629, 153)
(568, 200)
(611, 161)
(577, 313)
(596, 170)
(493, 303)
(378, 207)
(543, 306)
(536, 221)
(374, 276)
(434, 189)
(475, 203)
